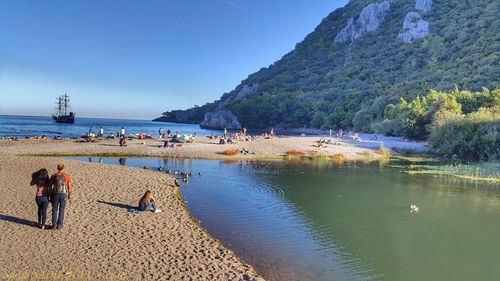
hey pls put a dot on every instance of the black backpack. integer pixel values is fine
(60, 186)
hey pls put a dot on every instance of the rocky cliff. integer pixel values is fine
(370, 18)
(221, 117)
(414, 27)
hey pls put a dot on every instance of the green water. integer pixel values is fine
(318, 221)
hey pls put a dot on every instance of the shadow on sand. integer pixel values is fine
(18, 220)
(118, 205)
(108, 144)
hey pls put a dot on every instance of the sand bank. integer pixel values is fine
(203, 148)
(101, 240)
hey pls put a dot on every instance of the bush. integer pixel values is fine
(295, 153)
(231, 152)
(474, 136)
(410, 119)
(337, 157)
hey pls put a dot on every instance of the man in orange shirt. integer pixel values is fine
(61, 192)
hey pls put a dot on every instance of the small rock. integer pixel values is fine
(423, 5)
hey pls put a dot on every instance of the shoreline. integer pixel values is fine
(101, 240)
(204, 148)
(109, 238)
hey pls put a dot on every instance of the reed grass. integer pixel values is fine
(337, 157)
(486, 171)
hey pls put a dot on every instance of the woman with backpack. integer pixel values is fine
(61, 192)
(42, 182)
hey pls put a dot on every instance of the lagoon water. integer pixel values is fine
(350, 221)
(25, 126)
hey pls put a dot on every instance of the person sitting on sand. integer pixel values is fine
(40, 178)
(147, 203)
(321, 142)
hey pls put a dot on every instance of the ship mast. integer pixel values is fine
(60, 106)
(66, 100)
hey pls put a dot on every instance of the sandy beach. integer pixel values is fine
(101, 239)
(202, 148)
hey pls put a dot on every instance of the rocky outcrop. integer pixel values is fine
(423, 5)
(414, 27)
(370, 18)
(245, 92)
(220, 119)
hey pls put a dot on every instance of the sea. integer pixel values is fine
(28, 126)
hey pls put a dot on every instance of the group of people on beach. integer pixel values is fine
(57, 190)
(347, 135)
(163, 135)
(240, 135)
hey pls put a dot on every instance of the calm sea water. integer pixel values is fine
(23, 126)
(320, 221)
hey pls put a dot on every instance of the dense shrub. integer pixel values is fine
(474, 136)
(295, 152)
(410, 119)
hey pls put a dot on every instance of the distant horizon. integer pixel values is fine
(136, 60)
(86, 117)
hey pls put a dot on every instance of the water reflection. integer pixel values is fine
(122, 161)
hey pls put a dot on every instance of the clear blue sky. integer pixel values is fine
(136, 59)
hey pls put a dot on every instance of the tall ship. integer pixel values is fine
(63, 110)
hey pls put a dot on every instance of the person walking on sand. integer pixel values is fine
(160, 132)
(225, 133)
(147, 203)
(42, 182)
(62, 188)
(101, 132)
(122, 132)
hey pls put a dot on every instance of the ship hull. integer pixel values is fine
(64, 119)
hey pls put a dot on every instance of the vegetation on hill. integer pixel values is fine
(372, 83)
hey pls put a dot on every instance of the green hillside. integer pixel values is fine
(329, 85)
